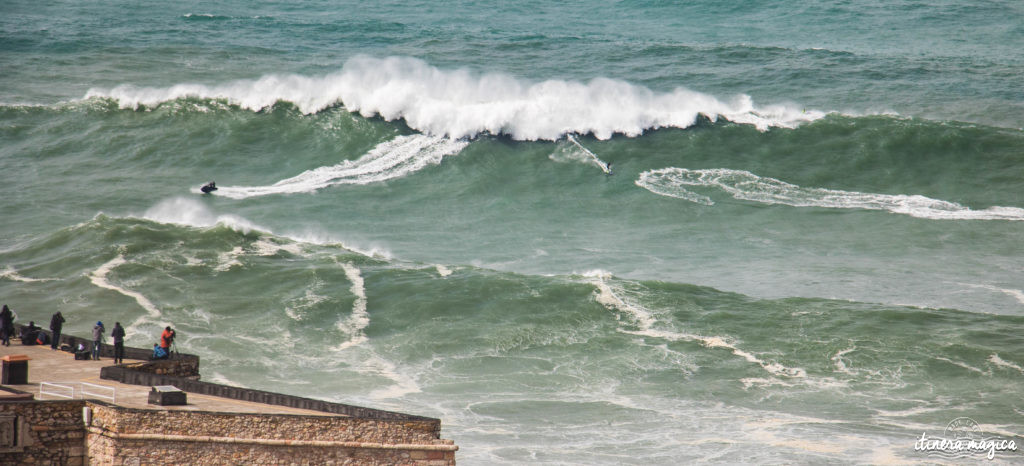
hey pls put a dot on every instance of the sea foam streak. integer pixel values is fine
(392, 159)
(461, 104)
(359, 318)
(748, 186)
(645, 321)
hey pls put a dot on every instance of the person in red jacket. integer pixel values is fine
(166, 339)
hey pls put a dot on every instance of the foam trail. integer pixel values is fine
(645, 320)
(748, 186)
(11, 274)
(593, 157)
(995, 359)
(99, 278)
(392, 159)
(359, 318)
(1016, 294)
(461, 104)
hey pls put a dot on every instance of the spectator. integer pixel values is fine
(118, 334)
(6, 326)
(56, 324)
(97, 339)
(29, 333)
(158, 352)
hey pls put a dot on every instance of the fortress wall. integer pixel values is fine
(42, 432)
(134, 436)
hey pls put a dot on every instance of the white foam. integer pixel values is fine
(266, 247)
(359, 319)
(443, 271)
(962, 365)
(11, 274)
(229, 259)
(191, 212)
(389, 160)
(403, 384)
(645, 320)
(99, 278)
(578, 153)
(1016, 294)
(460, 104)
(839, 363)
(998, 361)
(308, 300)
(748, 186)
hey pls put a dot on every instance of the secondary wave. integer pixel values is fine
(461, 104)
(392, 159)
(672, 182)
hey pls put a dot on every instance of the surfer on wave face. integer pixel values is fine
(209, 187)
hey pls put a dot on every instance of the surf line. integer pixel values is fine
(605, 166)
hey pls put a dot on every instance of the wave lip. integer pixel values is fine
(461, 104)
(672, 182)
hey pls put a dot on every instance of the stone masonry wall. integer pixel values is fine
(42, 432)
(179, 367)
(134, 436)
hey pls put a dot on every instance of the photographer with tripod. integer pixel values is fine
(166, 340)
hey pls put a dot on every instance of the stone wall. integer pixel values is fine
(127, 375)
(42, 432)
(120, 435)
(178, 367)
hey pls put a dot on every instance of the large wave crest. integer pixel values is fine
(463, 104)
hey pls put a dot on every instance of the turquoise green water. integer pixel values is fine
(577, 233)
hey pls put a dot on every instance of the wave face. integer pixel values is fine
(460, 104)
(647, 232)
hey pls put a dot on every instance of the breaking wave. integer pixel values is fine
(463, 104)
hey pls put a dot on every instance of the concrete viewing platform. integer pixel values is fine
(56, 409)
(59, 367)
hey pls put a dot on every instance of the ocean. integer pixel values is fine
(631, 232)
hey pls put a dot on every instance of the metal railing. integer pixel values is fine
(68, 390)
(44, 388)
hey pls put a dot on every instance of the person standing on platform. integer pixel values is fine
(56, 324)
(118, 334)
(97, 338)
(166, 339)
(6, 325)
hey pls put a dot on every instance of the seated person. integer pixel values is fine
(158, 352)
(29, 333)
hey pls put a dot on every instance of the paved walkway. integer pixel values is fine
(47, 365)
